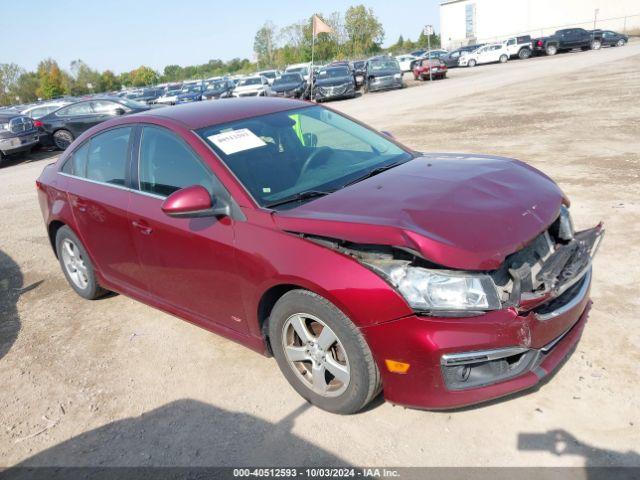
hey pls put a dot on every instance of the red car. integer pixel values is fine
(437, 67)
(361, 265)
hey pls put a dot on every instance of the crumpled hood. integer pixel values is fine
(283, 87)
(460, 211)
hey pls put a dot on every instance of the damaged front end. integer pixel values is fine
(541, 273)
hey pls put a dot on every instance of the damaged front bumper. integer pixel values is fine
(454, 362)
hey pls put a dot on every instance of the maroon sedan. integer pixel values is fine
(359, 264)
(429, 68)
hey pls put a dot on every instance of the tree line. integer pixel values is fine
(358, 33)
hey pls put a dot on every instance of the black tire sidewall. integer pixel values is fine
(364, 382)
(53, 137)
(93, 289)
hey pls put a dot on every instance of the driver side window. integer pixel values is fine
(167, 164)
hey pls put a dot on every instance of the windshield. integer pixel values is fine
(250, 81)
(271, 74)
(386, 64)
(191, 88)
(334, 72)
(283, 154)
(215, 86)
(171, 93)
(300, 70)
(289, 78)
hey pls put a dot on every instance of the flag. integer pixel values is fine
(320, 27)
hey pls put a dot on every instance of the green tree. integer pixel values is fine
(264, 44)
(26, 87)
(51, 79)
(143, 76)
(364, 30)
(424, 40)
(9, 76)
(109, 82)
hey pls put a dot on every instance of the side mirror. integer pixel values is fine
(119, 111)
(192, 202)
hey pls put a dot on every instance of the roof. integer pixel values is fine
(203, 114)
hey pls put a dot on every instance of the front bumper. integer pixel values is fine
(18, 143)
(385, 83)
(334, 93)
(537, 341)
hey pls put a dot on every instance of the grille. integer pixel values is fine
(20, 124)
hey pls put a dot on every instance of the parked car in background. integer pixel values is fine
(611, 38)
(383, 73)
(492, 53)
(146, 95)
(451, 59)
(405, 62)
(359, 72)
(429, 69)
(428, 54)
(568, 39)
(302, 234)
(170, 96)
(216, 89)
(519, 47)
(252, 86)
(291, 85)
(190, 93)
(62, 127)
(303, 69)
(333, 82)
(270, 75)
(41, 109)
(18, 133)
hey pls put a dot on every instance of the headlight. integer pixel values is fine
(4, 126)
(397, 76)
(565, 230)
(435, 290)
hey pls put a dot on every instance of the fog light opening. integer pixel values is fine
(463, 373)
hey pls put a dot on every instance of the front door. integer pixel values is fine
(190, 263)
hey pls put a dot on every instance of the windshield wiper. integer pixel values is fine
(373, 173)
(298, 197)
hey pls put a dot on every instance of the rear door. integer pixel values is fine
(189, 263)
(99, 199)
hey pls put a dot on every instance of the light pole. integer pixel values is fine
(428, 31)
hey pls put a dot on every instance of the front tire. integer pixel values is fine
(322, 353)
(620, 43)
(551, 50)
(471, 63)
(595, 45)
(503, 59)
(62, 139)
(76, 265)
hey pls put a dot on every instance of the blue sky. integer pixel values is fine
(121, 35)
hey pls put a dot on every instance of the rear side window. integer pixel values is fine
(83, 108)
(107, 156)
(76, 164)
(167, 164)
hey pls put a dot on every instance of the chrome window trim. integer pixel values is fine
(119, 187)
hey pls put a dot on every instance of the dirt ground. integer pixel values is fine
(114, 382)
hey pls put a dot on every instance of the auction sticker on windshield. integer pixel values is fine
(236, 141)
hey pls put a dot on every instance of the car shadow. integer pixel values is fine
(560, 443)
(185, 433)
(34, 156)
(11, 282)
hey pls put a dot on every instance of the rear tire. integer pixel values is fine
(524, 53)
(551, 50)
(471, 63)
(62, 139)
(308, 354)
(595, 45)
(76, 265)
(620, 43)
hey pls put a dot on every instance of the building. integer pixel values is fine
(464, 22)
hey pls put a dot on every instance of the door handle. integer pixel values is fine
(144, 228)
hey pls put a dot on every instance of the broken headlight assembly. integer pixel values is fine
(444, 292)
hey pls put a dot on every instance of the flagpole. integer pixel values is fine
(313, 44)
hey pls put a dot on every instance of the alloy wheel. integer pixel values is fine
(316, 355)
(74, 264)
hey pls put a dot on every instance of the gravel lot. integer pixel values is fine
(114, 382)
